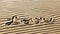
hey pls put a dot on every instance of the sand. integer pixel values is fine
(30, 9)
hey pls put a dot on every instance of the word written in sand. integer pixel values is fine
(30, 20)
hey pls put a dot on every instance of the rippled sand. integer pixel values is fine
(30, 8)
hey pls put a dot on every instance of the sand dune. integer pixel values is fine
(30, 8)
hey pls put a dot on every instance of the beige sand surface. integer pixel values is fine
(30, 8)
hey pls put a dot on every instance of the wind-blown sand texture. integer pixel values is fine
(30, 8)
